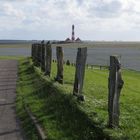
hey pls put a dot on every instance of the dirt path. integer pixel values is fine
(9, 126)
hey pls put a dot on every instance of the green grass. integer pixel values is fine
(12, 58)
(63, 117)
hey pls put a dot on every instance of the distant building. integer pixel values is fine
(73, 37)
(68, 40)
(78, 40)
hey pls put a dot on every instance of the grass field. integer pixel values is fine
(103, 44)
(110, 44)
(63, 117)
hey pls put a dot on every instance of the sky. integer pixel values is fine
(107, 20)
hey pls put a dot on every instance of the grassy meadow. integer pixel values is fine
(63, 117)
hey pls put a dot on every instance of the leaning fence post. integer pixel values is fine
(32, 51)
(39, 54)
(48, 58)
(42, 56)
(35, 54)
(59, 54)
(115, 85)
(80, 72)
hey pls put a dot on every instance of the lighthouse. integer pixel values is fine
(73, 34)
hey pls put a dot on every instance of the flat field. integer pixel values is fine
(85, 44)
(104, 44)
(98, 52)
(23, 45)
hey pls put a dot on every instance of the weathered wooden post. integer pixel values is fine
(32, 51)
(68, 62)
(80, 72)
(38, 51)
(48, 59)
(39, 54)
(42, 56)
(35, 54)
(115, 85)
(59, 54)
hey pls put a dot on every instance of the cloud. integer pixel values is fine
(55, 17)
(108, 9)
(10, 11)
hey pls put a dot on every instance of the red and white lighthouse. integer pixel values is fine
(73, 34)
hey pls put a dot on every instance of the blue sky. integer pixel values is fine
(52, 19)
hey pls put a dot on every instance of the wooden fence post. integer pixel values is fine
(39, 54)
(59, 54)
(48, 58)
(68, 62)
(80, 72)
(115, 85)
(32, 51)
(35, 54)
(42, 56)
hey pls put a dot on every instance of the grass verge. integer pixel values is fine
(63, 117)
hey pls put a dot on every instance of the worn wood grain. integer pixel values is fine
(80, 71)
(48, 59)
(43, 56)
(59, 54)
(115, 85)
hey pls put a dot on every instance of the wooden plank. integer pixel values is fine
(115, 85)
(80, 72)
(59, 54)
(48, 59)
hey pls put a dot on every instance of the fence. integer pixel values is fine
(42, 56)
(88, 66)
